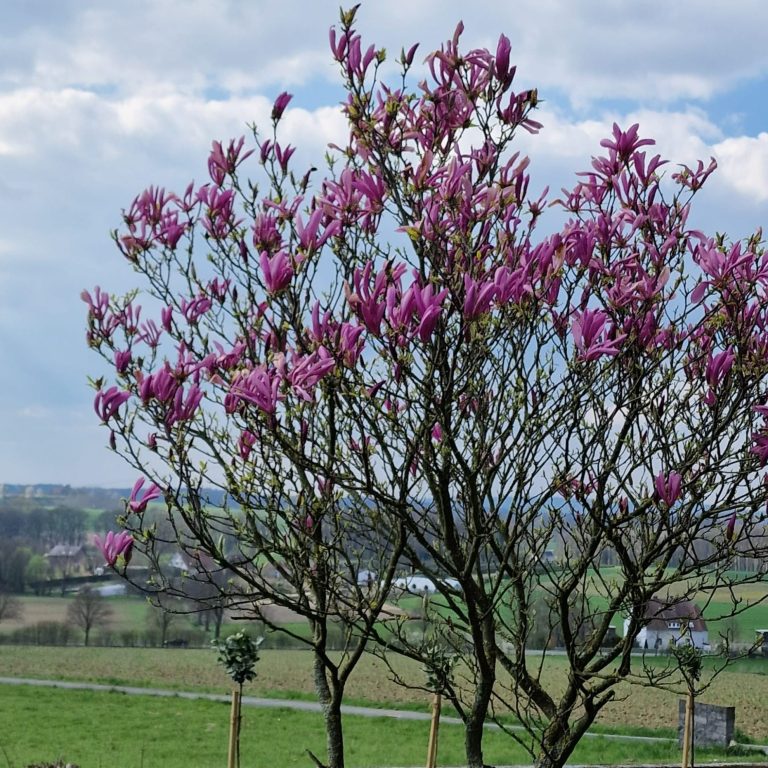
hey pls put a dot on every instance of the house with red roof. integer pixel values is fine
(672, 623)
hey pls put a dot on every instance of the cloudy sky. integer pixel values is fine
(101, 98)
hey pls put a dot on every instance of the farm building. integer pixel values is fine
(419, 585)
(366, 578)
(67, 559)
(672, 624)
(415, 584)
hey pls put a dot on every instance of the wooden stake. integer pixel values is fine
(234, 730)
(433, 728)
(687, 729)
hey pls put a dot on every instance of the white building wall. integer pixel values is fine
(647, 637)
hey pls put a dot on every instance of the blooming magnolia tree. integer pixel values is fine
(388, 368)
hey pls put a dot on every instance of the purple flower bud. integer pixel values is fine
(668, 488)
(407, 58)
(281, 102)
(502, 58)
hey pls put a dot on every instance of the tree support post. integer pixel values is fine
(687, 729)
(233, 754)
(433, 731)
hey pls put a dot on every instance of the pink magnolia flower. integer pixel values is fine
(115, 545)
(137, 503)
(123, 359)
(98, 305)
(309, 234)
(589, 337)
(369, 301)
(407, 57)
(308, 370)
(624, 143)
(259, 386)
(166, 318)
(425, 306)
(195, 308)
(245, 444)
(760, 448)
(183, 408)
(350, 343)
(276, 271)
(502, 60)
(477, 297)
(161, 385)
(221, 163)
(283, 156)
(219, 219)
(718, 367)
(107, 402)
(150, 334)
(668, 487)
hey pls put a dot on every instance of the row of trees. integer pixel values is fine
(89, 610)
(27, 533)
(391, 368)
(45, 526)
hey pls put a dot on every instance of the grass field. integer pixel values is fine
(106, 730)
(127, 612)
(287, 674)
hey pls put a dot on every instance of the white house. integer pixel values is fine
(672, 624)
(420, 585)
(366, 578)
(416, 584)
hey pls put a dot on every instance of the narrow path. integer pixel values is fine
(302, 706)
(296, 704)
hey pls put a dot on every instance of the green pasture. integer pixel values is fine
(637, 710)
(127, 612)
(100, 730)
(751, 605)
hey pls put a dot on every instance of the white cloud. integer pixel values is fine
(744, 165)
(589, 50)
(100, 98)
(37, 122)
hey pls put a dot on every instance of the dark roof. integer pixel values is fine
(661, 613)
(65, 550)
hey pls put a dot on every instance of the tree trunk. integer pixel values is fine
(330, 700)
(548, 761)
(474, 728)
(560, 739)
(553, 754)
(334, 735)
(485, 656)
(473, 742)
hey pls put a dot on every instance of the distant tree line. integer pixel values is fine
(28, 531)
